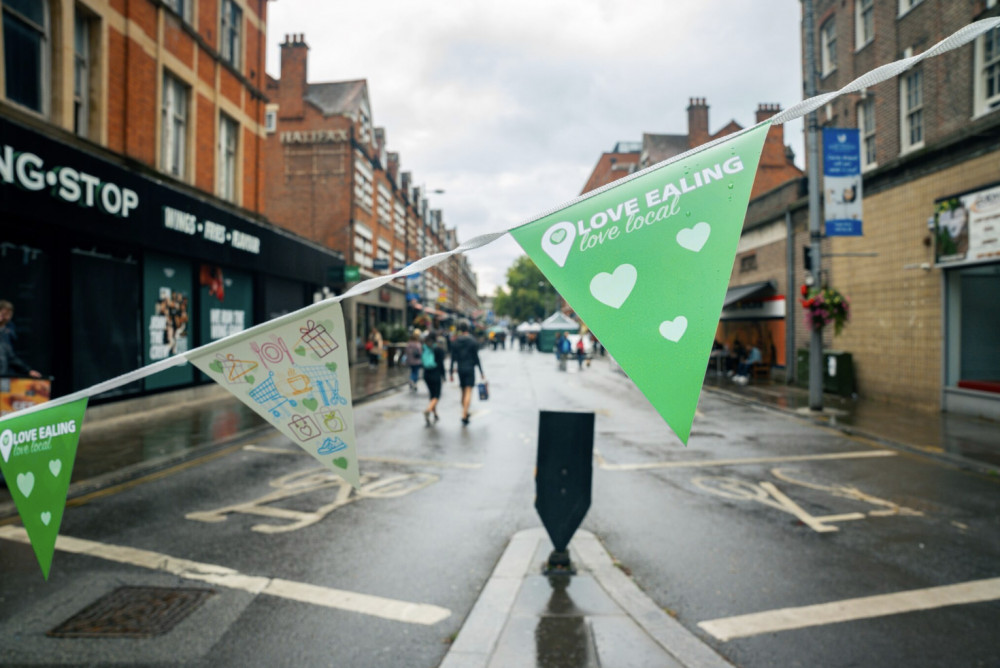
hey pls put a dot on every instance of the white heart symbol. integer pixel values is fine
(695, 237)
(25, 483)
(673, 330)
(614, 289)
(46, 518)
(55, 466)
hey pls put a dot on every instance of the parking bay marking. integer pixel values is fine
(381, 460)
(366, 604)
(768, 494)
(858, 454)
(866, 607)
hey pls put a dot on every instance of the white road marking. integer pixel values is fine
(704, 463)
(851, 609)
(383, 460)
(377, 606)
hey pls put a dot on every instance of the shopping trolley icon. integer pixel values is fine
(267, 392)
(327, 383)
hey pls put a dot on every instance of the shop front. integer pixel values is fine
(753, 315)
(110, 269)
(383, 308)
(967, 249)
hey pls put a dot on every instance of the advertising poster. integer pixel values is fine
(166, 298)
(842, 182)
(226, 302)
(18, 393)
(967, 227)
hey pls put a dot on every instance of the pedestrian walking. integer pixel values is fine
(414, 353)
(432, 360)
(373, 346)
(10, 363)
(465, 355)
(580, 353)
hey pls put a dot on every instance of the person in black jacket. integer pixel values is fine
(465, 354)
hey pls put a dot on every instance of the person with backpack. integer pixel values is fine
(414, 354)
(432, 361)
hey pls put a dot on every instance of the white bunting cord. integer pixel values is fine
(960, 38)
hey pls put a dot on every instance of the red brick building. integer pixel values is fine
(131, 137)
(329, 176)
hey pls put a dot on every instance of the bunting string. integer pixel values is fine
(960, 38)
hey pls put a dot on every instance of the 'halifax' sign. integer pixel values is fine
(842, 182)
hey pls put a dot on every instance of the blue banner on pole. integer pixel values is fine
(842, 182)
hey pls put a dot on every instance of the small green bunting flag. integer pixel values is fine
(646, 266)
(296, 376)
(37, 452)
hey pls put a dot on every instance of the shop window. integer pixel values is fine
(864, 23)
(173, 143)
(228, 135)
(987, 82)
(912, 110)
(866, 130)
(230, 32)
(973, 320)
(26, 53)
(828, 46)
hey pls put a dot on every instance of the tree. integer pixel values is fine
(531, 295)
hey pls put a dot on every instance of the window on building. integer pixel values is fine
(864, 22)
(182, 7)
(173, 141)
(26, 53)
(987, 84)
(230, 33)
(866, 128)
(748, 263)
(228, 135)
(828, 46)
(907, 5)
(912, 110)
(81, 72)
(271, 118)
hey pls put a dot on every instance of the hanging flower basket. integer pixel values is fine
(823, 306)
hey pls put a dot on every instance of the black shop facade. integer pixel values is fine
(110, 269)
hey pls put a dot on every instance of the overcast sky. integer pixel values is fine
(507, 106)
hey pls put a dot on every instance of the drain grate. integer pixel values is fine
(133, 612)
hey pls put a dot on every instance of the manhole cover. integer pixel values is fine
(132, 612)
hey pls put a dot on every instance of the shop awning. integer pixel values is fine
(738, 293)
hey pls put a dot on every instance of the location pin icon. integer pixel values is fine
(558, 240)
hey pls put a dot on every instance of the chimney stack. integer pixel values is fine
(292, 87)
(697, 121)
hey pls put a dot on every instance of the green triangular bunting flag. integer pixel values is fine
(646, 266)
(37, 452)
(295, 375)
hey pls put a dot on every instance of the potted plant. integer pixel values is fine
(823, 306)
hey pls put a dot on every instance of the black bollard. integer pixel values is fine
(563, 477)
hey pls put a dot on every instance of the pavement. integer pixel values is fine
(594, 617)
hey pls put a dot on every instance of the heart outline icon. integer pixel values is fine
(55, 466)
(25, 483)
(614, 288)
(46, 518)
(6, 444)
(694, 238)
(673, 330)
